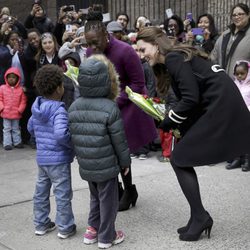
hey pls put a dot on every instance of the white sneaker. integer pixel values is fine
(51, 226)
(119, 239)
(63, 235)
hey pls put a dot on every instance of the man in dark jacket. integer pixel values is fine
(39, 20)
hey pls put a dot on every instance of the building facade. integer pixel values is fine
(153, 9)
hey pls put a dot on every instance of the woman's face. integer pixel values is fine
(97, 41)
(122, 19)
(203, 23)
(173, 27)
(148, 52)
(13, 40)
(48, 45)
(34, 39)
(240, 18)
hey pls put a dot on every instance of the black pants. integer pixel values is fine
(103, 209)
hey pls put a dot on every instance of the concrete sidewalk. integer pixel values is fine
(151, 225)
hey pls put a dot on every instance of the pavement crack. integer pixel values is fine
(5, 247)
(29, 200)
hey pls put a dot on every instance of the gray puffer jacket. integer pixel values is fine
(96, 126)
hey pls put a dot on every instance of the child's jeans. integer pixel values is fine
(59, 176)
(11, 131)
(103, 209)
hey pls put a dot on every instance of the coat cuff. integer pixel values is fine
(176, 118)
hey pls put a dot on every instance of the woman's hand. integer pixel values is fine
(75, 42)
(167, 124)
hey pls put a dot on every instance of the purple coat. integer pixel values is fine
(139, 127)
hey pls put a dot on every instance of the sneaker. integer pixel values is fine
(65, 235)
(19, 145)
(8, 147)
(90, 236)
(143, 157)
(133, 156)
(119, 239)
(163, 159)
(51, 226)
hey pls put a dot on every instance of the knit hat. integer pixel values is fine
(114, 26)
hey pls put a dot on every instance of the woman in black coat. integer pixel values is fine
(209, 111)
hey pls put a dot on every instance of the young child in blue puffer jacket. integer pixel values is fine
(49, 125)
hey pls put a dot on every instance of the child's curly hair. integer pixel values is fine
(47, 79)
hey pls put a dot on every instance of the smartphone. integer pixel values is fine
(197, 31)
(169, 13)
(84, 11)
(37, 2)
(68, 28)
(106, 17)
(189, 16)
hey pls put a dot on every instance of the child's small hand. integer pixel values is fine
(125, 171)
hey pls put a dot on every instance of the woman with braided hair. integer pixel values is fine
(139, 127)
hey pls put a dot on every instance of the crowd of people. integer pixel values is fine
(203, 77)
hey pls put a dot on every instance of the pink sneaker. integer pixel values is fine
(119, 239)
(90, 236)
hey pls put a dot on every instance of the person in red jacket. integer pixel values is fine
(12, 104)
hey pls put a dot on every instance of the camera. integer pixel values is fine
(171, 31)
(69, 8)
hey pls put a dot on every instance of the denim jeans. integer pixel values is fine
(58, 176)
(11, 131)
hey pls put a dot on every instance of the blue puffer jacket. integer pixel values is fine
(49, 125)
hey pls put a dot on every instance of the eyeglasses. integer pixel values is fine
(238, 15)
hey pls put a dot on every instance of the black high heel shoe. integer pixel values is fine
(129, 197)
(207, 227)
(182, 230)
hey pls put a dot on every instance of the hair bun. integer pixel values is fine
(94, 16)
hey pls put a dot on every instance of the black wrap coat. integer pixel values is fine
(210, 112)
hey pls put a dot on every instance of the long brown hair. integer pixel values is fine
(156, 36)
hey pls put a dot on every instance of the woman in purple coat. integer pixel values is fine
(139, 127)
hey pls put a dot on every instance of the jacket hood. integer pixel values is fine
(94, 80)
(14, 71)
(74, 56)
(43, 108)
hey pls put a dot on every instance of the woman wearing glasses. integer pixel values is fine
(233, 44)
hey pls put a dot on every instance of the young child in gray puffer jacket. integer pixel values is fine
(100, 145)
